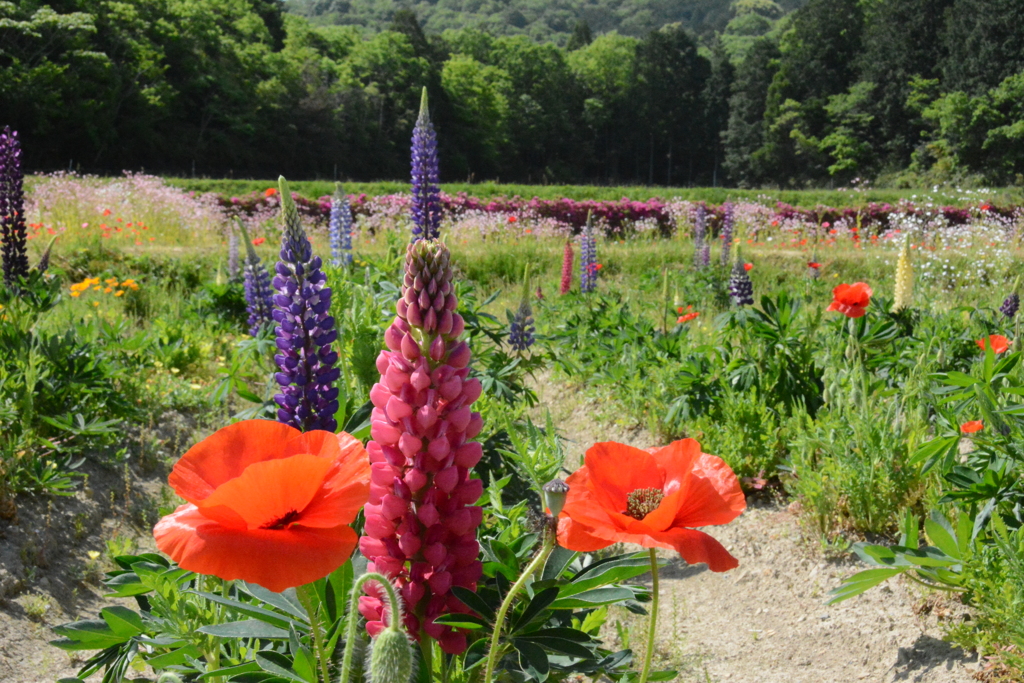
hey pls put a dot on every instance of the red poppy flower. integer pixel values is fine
(267, 504)
(851, 300)
(627, 495)
(748, 266)
(258, 241)
(270, 192)
(813, 264)
(512, 219)
(688, 317)
(986, 207)
(972, 426)
(997, 342)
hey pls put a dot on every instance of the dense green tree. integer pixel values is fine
(745, 133)
(984, 43)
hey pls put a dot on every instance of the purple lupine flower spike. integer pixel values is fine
(588, 259)
(426, 194)
(340, 228)
(702, 250)
(305, 331)
(521, 328)
(728, 227)
(259, 296)
(12, 209)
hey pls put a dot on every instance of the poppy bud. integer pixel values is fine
(555, 492)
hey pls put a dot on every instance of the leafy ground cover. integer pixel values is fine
(870, 424)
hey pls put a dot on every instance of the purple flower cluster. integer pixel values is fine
(426, 200)
(588, 260)
(728, 228)
(12, 209)
(521, 328)
(259, 297)
(701, 248)
(1010, 305)
(305, 332)
(233, 256)
(340, 229)
(741, 289)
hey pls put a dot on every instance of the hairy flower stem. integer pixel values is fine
(538, 562)
(353, 618)
(307, 596)
(652, 626)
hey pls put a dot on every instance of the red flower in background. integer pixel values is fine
(266, 504)
(972, 426)
(258, 241)
(813, 264)
(270, 192)
(748, 267)
(851, 300)
(688, 317)
(997, 342)
(654, 499)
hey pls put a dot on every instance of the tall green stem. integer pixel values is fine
(307, 596)
(394, 610)
(538, 562)
(646, 671)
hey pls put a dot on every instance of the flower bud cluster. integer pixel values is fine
(420, 520)
(701, 248)
(567, 258)
(426, 193)
(728, 228)
(588, 260)
(521, 327)
(12, 209)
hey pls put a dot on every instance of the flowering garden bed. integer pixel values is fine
(374, 494)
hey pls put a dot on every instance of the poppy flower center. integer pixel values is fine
(643, 502)
(283, 521)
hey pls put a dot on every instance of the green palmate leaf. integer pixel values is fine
(126, 585)
(286, 601)
(532, 659)
(537, 605)
(249, 610)
(593, 598)
(249, 628)
(564, 632)
(937, 449)
(473, 601)
(959, 379)
(475, 655)
(89, 634)
(560, 645)
(232, 672)
(467, 621)
(122, 621)
(615, 570)
(174, 657)
(558, 560)
(279, 665)
(942, 535)
(862, 581)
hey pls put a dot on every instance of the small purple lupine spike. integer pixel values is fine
(233, 256)
(728, 225)
(588, 259)
(340, 228)
(305, 331)
(426, 194)
(12, 209)
(259, 296)
(701, 248)
(521, 328)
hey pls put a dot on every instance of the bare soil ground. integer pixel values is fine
(767, 621)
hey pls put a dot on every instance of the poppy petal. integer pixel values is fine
(268, 491)
(579, 537)
(695, 547)
(346, 490)
(713, 496)
(226, 453)
(616, 470)
(275, 559)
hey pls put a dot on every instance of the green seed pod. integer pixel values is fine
(391, 657)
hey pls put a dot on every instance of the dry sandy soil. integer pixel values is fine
(767, 621)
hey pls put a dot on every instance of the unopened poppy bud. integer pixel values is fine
(391, 657)
(555, 492)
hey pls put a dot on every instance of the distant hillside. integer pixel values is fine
(543, 20)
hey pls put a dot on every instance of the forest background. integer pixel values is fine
(751, 93)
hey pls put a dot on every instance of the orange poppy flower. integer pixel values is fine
(972, 426)
(267, 504)
(258, 241)
(688, 317)
(997, 342)
(627, 495)
(269, 192)
(851, 300)
(748, 267)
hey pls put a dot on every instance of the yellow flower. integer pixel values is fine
(119, 293)
(95, 303)
(75, 295)
(96, 289)
(108, 290)
(904, 294)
